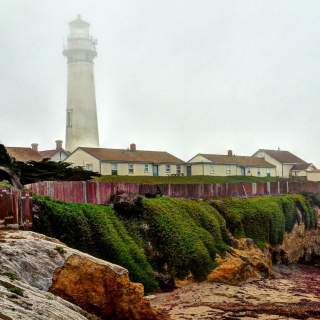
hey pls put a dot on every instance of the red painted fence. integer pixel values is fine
(15, 208)
(102, 192)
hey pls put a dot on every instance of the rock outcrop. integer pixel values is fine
(244, 261)
(299, 245)
(35, 304)
(101, 289)
(45, 264)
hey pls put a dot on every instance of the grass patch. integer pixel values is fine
(61, 250)
(184, 179)
(16, 291)
(11, 275)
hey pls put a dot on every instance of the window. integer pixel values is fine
(146, 168)
(212, 168)
(258, 172)
(178, 169)
(89, 167)
(228, 168)
(131, 167)
(114, 169)
(268, 172)
(168, 168)
(249, 170)
(69, 118)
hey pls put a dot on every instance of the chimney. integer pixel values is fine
(58, 144)
(230, 153)
(132, 147)
(34, 146)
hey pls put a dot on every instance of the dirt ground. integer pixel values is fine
(293, 294)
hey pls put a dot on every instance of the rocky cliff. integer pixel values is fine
(299, 245)
(37, 272)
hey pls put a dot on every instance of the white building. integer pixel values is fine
(81, 122)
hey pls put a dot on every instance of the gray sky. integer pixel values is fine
(186, 77)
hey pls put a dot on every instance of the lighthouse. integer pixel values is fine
(81, 118)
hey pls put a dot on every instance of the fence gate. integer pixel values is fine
(15, 208)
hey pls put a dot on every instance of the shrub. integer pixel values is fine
(16, 291)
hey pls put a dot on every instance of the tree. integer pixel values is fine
(45, 170)
(9, 168)
(34, 171)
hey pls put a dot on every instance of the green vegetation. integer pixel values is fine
(265, 219)
(11, 275)
(33, 171)
(184, 179)
(49, 296)
(16, 291)
(5, 183)
(171, 236)
(185, 235)
(95, 230)
(60, 249)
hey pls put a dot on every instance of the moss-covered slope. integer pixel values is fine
(171, 236)
(167, 235)
(265, 219)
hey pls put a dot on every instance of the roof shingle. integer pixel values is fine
(240, 160)
(24, 154)
(105, 154)
(283, 156)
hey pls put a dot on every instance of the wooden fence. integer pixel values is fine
(103, 192)
(15, 208)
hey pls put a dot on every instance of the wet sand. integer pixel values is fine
(293, 294)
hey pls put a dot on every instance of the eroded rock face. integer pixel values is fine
(247, 261)
(94, 285)
(300, 245)
(97, 288)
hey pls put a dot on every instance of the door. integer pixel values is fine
(243, 171)
(189, 171)
(155, 171)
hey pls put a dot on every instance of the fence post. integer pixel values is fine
(217, 189)
(98, 193)
(279, 187)
(49, 189)
(84, 192)
(254, 188)
(287, 187)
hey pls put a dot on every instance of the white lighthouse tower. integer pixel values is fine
(82, 123)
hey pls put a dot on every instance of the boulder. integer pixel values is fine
(45, 264)
(248, 261)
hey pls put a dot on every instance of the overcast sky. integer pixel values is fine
(185, 76)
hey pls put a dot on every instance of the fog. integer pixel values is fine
(181, 76)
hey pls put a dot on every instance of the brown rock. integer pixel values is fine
(241, 264)
(300, 244)
(91, 284)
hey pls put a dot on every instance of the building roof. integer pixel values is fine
(312, 171)
(301, 166)
(240, 160)
(105, 154)
(51, 153)
(282, 156)
(24, 154)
